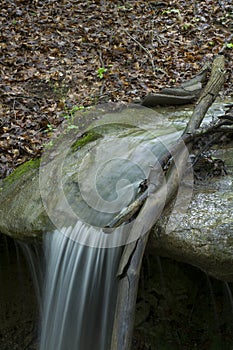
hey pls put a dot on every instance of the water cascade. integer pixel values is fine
(80, 294)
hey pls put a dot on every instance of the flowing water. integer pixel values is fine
(80, 294)
(229, 294)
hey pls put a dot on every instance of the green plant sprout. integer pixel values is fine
(187, 26)
(69, 116)
(101, 71)
(50, 128)
(171, 11)
(230, 45)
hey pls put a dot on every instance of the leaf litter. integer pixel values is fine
(56, 56)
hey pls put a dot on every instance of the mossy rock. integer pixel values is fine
(20, 170)
(85, 139)
(202, 237)
(22, 214)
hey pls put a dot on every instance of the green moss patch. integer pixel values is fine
(22, 169)
(85, 139)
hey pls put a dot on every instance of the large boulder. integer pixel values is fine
(91, 174)
(203, 235)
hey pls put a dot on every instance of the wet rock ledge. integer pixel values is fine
(202, 236)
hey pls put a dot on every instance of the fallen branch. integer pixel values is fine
(129, 269)
(209, 94)
(187, 92)
(127, 213)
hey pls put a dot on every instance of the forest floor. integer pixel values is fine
(60, 56)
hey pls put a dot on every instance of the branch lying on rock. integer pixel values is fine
(150, 186)
(129, 269)
(205, 100)
(187, 92)
(217, 131)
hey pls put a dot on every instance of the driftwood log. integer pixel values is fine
(187, 92)
(130, 265)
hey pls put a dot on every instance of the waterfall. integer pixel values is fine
(82, 193)
(80, 293)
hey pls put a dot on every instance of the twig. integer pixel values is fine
(154, 69)
(100, 58)
(14, 109)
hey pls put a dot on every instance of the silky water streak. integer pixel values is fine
(80, 293)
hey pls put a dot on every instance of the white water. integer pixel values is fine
(80, 294)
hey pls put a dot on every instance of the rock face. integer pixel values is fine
(22, 213)
(203, 236)
(122, 146)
